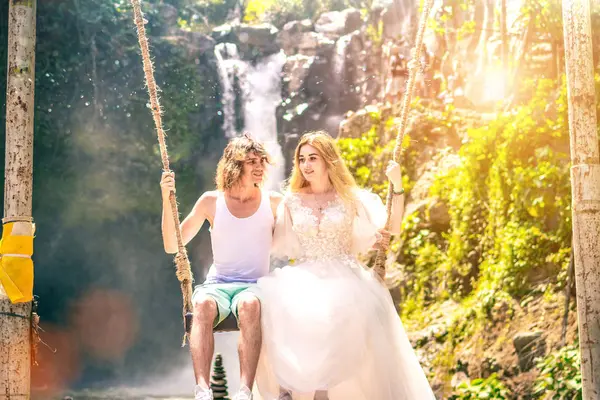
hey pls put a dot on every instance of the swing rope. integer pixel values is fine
(182, 263)
(379, 266)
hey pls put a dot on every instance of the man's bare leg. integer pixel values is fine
(250, 338)
(202, 341)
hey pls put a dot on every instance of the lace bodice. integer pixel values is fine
(321, 234)
(302, 232)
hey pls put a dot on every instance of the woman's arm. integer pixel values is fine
(285, 240)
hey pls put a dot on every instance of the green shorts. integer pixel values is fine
(226, 295)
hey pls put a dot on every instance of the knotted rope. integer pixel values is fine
(182, 263)
(379, 266)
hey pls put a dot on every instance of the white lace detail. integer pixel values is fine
(325, 234)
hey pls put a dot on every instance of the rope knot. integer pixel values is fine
(183, 272)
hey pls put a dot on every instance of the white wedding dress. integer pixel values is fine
(328, 323)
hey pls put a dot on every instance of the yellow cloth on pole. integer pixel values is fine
(16, 265)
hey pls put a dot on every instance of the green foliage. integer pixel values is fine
(367, 155)
(422, 286)
(489, 388)
(560, 375)
(509, 200)
(277, 12)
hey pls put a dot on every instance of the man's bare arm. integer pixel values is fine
(189, 227)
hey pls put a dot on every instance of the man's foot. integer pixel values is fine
(201, 393)
(243, 394)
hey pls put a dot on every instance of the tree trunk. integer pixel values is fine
(585, 180)
(15, 319)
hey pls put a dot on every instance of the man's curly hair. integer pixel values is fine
(230, 167)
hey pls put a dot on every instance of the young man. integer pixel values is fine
(241, 216)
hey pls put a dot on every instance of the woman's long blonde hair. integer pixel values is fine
(340, 177)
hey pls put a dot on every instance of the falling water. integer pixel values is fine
(338, 73)
(338, 63)
(229, 66)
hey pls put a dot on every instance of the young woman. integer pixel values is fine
(330, 329)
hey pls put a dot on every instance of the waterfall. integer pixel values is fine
(339, 102)
(338, 62)
(260, 85)
(345, 91)
(229, 66)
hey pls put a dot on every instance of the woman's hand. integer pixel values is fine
(382, 236)
(394, 174)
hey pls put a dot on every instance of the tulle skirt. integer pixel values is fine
(331, 325)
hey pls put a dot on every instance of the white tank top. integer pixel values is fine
(241, 246)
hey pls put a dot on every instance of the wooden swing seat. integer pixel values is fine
(229, 324)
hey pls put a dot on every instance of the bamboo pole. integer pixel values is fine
(15, 319)
(585, 182)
